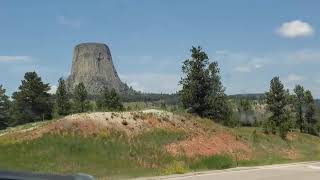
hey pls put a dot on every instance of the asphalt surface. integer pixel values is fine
(298, 171)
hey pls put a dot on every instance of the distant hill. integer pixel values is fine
(253, 96)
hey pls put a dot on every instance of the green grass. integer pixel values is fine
(268, 148)
(213, 162)
(114, 155)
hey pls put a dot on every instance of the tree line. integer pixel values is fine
(203, 94)
(32, 102)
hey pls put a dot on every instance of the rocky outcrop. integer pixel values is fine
(92, 64)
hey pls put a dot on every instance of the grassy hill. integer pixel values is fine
(132, 144)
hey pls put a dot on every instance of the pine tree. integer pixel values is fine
(299, 102)
(216, 99)
(277, 101)
(310, 114)
(4, 108)
(114, 101)
(195, 85)
(80, 98)
(110, 100)
(104, 101)
(202, 91)
(62, 99)
(32, 101)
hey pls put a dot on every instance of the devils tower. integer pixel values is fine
(92, 65)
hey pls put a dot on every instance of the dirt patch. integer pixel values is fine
(291, 136)
(290, 153)
(222, 143)
(87, 124)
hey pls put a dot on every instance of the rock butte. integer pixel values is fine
(92, 64)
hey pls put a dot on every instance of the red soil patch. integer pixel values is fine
(223, 143)
(290, 153)
(84, 128)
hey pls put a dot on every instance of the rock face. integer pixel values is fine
(92, 64)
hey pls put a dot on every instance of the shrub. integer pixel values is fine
(214, 162)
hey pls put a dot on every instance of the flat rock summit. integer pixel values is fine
(92, 64)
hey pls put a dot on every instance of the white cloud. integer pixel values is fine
(15, 58)
(294, 78)
(243, 69)
(304, 56)
(295, 29)
(53, 89)
(253, 64)
(63, 20)
(293, 67)
(221, 52)
(152, 82)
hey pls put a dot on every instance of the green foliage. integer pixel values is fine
(277, 101)
(32, 101)
(195, 85)
(62, 99)
(110, 100)
(213, 162)
(299, 103)
(311, 121)
(163, 106)
(81, 103)
(4, 108)
(269, 126)
(202, 91)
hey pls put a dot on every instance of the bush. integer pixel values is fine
(214, 162)
(269, 126)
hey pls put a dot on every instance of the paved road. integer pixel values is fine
(300, 171)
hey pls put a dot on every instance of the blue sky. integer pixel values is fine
(149, 39)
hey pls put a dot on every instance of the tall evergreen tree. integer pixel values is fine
(32, 101)
(195, 85)
(110, 100)
(80, 98)
(299, 102)
(217, 107)
(202, 91)
(62, 99)
(310, 114)
(115, 102)
(277, 101)
(103, 101)
(4, 108)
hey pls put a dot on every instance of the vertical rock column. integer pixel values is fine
(92, 64)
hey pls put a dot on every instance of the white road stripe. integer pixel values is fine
(314, 167)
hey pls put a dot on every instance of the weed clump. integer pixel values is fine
(176, 167)
(213, 162)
